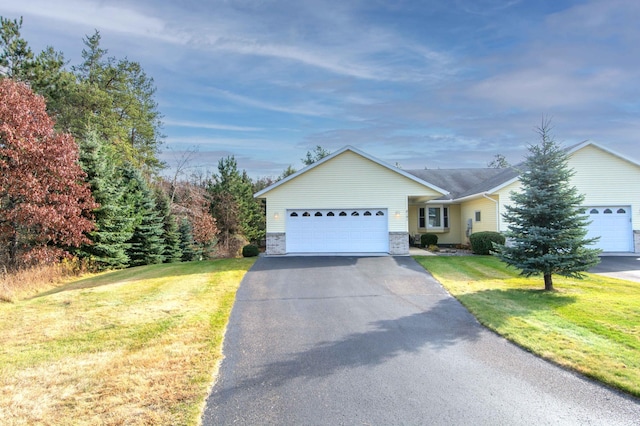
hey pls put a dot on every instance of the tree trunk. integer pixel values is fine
(548, 282)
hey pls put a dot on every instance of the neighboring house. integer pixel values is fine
(351, 202)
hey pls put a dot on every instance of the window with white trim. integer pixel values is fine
(437, 217)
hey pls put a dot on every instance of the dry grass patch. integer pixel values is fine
(590, 325)
(23, 283)
(137, 347)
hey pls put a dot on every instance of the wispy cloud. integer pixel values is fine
(212, 126)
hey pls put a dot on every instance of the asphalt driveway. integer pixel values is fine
(377, 341)
(623, 267)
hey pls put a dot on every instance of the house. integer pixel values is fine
(351, 202)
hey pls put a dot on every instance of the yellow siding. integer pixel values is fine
(607, 180)
(446, 236)
(346, 181)
(604, 179)
(488, 217)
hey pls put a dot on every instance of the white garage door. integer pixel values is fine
(613, 226)
(337, 231)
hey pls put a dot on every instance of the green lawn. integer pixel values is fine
(139, 346)
(590, 325)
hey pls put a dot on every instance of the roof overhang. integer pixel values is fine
(262, 193)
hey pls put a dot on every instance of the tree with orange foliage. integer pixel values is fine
(44, 203)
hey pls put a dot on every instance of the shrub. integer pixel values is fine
(250, 250)
(427, 240)
(434, 248)
(482, 242)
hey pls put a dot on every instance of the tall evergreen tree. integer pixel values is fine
(547, 230)
(16, 57)
(170, 234)
(233, 206)
(113, 220)
(146, 244)
(186, 241)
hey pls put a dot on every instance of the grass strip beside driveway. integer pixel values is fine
(137, 346)
(590, 325)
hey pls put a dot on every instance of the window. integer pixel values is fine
(445, 217)
(594, 211)
(355, 214)
(607, 211)
(330, 214)
(294, 214)
(318, 214)
(380, 213)
(478, 216)
(367, 213)
(621, 211)
(433, 217)
(306, 214)
(342, 214)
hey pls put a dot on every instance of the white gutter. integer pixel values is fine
(497, 210)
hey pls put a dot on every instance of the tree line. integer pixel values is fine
(80, 168)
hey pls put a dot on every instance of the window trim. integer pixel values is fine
(443, 214)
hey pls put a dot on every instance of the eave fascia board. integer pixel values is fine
(261, 193)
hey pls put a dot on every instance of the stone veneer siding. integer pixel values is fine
(636, 240)
(398, 243)
(276, 243)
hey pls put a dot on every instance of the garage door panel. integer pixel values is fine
(319, 232)
(613, 227)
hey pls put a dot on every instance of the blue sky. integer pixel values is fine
(436, 84)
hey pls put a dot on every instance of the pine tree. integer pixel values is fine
(114, 222)
(146, 243)
(186, 241)
(233, 206)
(170, 234)
(546, 227)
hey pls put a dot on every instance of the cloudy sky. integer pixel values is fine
(425, 83)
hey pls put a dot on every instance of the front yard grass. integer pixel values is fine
(590, 325)
(139, 346)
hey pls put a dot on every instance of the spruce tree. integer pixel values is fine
(146, 244)
(170, 234)
(186, 241)
(547, 229)
(113, 220)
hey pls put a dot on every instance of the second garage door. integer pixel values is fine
(337, 231)
(613, 226)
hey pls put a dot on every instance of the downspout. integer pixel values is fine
(484, 194)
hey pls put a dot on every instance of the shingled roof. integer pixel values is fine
(464, 182)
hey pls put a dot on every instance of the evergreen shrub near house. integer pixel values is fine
(482, 242)
(427, 240)
(250, 250)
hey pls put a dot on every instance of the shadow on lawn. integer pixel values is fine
(168, 270)
(495, 307)
(445, 324)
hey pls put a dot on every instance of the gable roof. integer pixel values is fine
(453, 184)
(432, 186)
(457, 181)
(570, 150)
